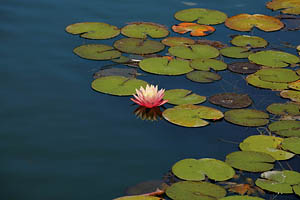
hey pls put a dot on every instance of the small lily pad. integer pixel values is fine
(235, 52)
(286, 128)
(194, 51)
(243, 197)
(295, 85)
(291, 94)
(250, 161)
(247, 117)
(188, 115)
(182, 96)
(253, 79)
(177, 41)
(287, 6)
(126, 72)
(203, 76)
(292, 144)
(243, 67)
(284, 109)
(143, 29)
(96, 52)
(277, 75)
(202, 15)
(296, 189)
(207, 64)
(231, 100)
(246, 40)
(195, 29)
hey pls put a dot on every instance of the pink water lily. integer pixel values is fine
(149, 97)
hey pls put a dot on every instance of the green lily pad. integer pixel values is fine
(253, 79)
(177, 41)
(247, 117)
(188, 115)
(296, 189)
(194, 51)
(195, 170)
(287, 6)
(122, 59)
(277, 75)
(235, 52)
(286, 128)
(267, 144)
(117, 85)
(243, 67)
(246, 40)
(272, 58)
(143, 29)
(274, 186)
(250, 161)
(96, 52)
(202, 15)
(295, 85)
(231, 100)
(207, 64)
(163, 66)
(291, 94)
(203, 76)
(195, 191)
(126, 72)
(284, 109)
(138, 46)
(93, 30)
(182, 96)
(139, 197)
(292, 144)
(243, 197)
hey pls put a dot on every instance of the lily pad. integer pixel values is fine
(291, 94)
(203, 76)
(267, 144)
(164, 66)
(96, 52)
(195, 29)
(243, 67)
(296, 189)
(177, 41)
(194, 51)
(235, 52)
(117, 85)
(272, 58)
(122, 59)
(286, 128)
(250, 161)
(188, 115)
(243, 197)
(139, 197)
(94, 30)
(231, 100)
(202, 15)
(284, 109)
(138, 46)
(143, 29)
(207, 64)
(247, 117)
(277, 75)
(195, 191)
(274, 186)
(182, 96)
(213, 43)
(254, 79)
(245, 22)
(286, 6)
(195, 170)
(292, 144)
(126, 72)
(246, 40)
(295, 85)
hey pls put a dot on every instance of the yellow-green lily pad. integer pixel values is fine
(292, 144)
(96, 52)
(254, 79)
(291, 94)
(203, 76)
(207, 64)
(177, 41)
(246, 40)
(286, 128)
(274, 186)
(194, 51)
(143, 29)
(284, 109)
(295, 85)
(182, 96)
(277, 75)
(235, 52)
(247, 117)
(286, 6)
(296, 189)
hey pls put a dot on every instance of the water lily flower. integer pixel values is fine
(149, 97)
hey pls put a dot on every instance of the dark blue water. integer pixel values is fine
(59, 139)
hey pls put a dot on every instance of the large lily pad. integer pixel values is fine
(194, 51)
(287, 128)
(164, 66)
(202, 15)
(292, 144)
(207, 64)
(195, 191)
(203, 76)
(243, 197)
(250, 161)
(245, 22)
(195, 29)
(246, 40)
(235, 52)
(138, 46)
(267, 144)
(96, 52)
(196, 170)
(191, 115)
(182, 96)
(253, 79)
(284, 109)
(144, 29)
(243, 67)
(93, 30)
(247, 117)
(272, 58)
(177, 41)
(274, 186)
(277, 75)
(117, 85)
(295, 85)
(231, 100)
(291, 94)
(126, 72)
(287, 6)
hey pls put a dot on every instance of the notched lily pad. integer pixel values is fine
(286, 128)
(235, 52)
(286, 6)
(247, 117)
(277, 75)
(246, 40)
(195, 29)
(177, 41)
(254, 79)
(243, 67)
(207, 64)
(182, 96)
(126, 72)
(284, 109)
(96, 52)
(231, 100)
(143, 29)
(291, 94)
(194, 51)
(203, 76)
(292, 144)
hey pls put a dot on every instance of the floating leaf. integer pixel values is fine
(253, 79)
(93, 30)
(117, 85)
(287, 128)
(165, 66)
(191, 115)
(143, 29)
(284, 109)
(245, 22)
(139, 197)
(216, 44)
(277, 75)
(267, 144)
(182, 96)
(247, 117)
(231, 100)
(243, 197)
(207, 64)
(291, 94)
(126, 72)
(138, 46)
(292, 144)
(243, 67)
(195, 29)
(295, 85)
(274, 186)
(246, 40)
(203, 76)
(202, 15)
(288, 6)
(195, 191)
(296, 189)
(195, 170)
(122, 59)
(177, 41)
(96, 52)
(235, 52)
(194, 51)
(272, 58)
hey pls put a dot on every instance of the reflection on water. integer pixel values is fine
(152, 114)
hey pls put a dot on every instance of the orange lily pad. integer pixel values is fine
(245, 22)
(295, 85)
(288, 6)
(195, 29)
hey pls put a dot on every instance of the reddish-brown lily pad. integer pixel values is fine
(244, 67)
(195, 29)
(231, 100)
